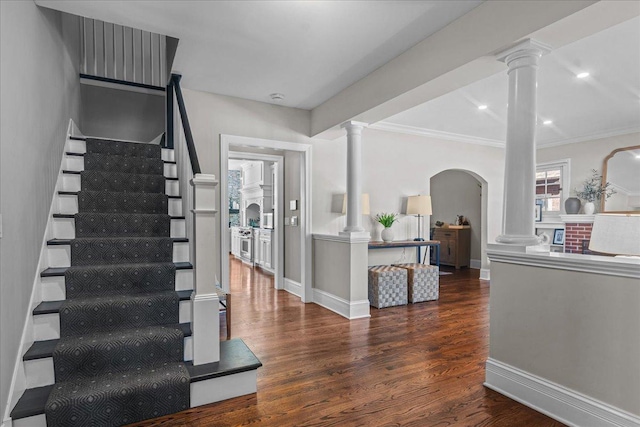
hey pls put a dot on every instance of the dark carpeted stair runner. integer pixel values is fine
(120, 353)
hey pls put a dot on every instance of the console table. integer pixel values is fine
(409, 244)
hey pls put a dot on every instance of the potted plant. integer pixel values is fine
(593, 190)
(387, 220)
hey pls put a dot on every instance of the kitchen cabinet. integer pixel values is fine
(455, 246)
(235, 241)
(264, 249)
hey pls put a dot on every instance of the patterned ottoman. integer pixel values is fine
(387, 286)
(423, 280)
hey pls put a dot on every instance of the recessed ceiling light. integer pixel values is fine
(277, 96)
(482, 107)
(582, 75)
(547, 122)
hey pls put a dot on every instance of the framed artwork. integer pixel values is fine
(538, 213)
(558, 236)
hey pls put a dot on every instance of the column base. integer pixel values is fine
(516, 239)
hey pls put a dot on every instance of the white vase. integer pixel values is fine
(589, 208)
(387, 235)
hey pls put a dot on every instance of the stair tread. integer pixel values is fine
(75, 193)
(71, 216)
(59, 271)
(235, 357)
(71, 153)
(44, 349)
(50, 307)
(61, 242)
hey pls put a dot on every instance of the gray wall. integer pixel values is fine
(121, 114)
(576, 329)
(458, 193)
(39, 94)
(292, 259)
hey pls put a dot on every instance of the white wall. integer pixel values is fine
(212, 115)
(292, 261)
(394, 167)
(39, 94)
(586, 156)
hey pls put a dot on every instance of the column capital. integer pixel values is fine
(525, 48)
(352, 125)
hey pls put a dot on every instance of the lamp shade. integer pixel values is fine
(616, 234)
(364, 204)
(419, 205)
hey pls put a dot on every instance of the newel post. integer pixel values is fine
(205, 311)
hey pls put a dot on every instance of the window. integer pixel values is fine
(552, 185)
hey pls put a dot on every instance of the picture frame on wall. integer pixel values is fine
(558, 236)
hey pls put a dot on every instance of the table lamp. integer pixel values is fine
(419, 205)
(616, 234)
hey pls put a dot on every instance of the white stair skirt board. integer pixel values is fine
(558, 402)
(47, 326)
(39, 372)
(293, 287)
(65, 228)
(60, 255)
(68, 204)
(350, 310)
(223, 388)
(35, 421)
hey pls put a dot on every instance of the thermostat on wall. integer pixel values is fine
(293, 205)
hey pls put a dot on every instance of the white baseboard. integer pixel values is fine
(350, 310)
(485, 274)
(475, 264)
(293, 287)
(558, 402)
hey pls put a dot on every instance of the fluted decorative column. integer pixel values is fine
(354, 178)
(520, 156)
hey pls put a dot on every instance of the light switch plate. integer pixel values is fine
(294, 221)
(293, 205)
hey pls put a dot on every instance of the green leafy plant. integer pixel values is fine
(594, 189)
(386, 219)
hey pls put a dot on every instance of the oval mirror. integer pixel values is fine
(622, 169)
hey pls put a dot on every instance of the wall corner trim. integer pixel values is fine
(554, 400)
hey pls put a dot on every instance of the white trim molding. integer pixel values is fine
(438, 134)
(476, 264)
(611, 266)
(344, 238)
(578, 219)
(558, 402)
(485, 274)
(292, 287)
(350, 310)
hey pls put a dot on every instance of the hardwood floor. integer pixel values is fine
(416, 365)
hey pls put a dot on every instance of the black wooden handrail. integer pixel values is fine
(193, 156)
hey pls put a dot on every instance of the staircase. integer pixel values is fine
(112, 333)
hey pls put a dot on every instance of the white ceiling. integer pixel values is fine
(307, 50)
(312, 50)
(605, 103)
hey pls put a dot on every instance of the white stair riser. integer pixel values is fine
(71, 182)
(65, 228)
(168, 155)
(75, 146)
(222, 388)
(60, 255)
(76, 163)
(53, 288)
(40, 372)
(68, 204)
(47, 326)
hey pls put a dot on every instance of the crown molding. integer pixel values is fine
(430, 133)
(583, 138)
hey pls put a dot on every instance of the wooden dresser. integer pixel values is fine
(455, 246)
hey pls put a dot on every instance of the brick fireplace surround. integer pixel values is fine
(577, 233)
